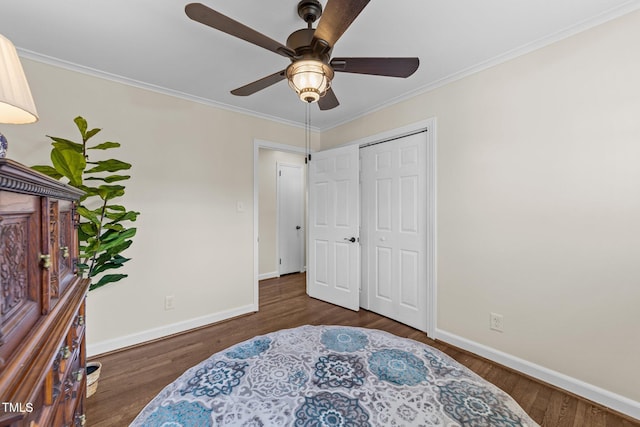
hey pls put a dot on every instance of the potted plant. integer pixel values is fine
(104, 231)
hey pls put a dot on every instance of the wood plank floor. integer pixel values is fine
(132, 377)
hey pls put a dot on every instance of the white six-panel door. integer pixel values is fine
(333, 265)
(394, 221)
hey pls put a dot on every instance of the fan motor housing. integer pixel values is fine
(300, 41)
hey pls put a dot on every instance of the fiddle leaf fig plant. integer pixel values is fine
(104, 231)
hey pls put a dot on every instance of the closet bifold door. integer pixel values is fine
(22, 260)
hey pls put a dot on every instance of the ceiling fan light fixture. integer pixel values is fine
(310, 78)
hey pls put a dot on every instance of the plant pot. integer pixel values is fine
(93, 373)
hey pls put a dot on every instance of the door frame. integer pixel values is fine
(430, 125)
(267, 145)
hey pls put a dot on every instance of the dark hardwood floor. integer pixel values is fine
(132, 377)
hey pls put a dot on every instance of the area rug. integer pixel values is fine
(331, 376)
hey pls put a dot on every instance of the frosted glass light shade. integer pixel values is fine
(16, 102)
(309, 78)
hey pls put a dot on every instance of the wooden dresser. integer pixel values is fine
(42, 302)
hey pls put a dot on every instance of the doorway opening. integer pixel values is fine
(269, 248)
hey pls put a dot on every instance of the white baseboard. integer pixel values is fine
(106, 346)
(596, 394)
(270, 275)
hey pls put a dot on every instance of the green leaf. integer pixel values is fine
(91, 133)
(65, 144)
(114, 237)
(89, 191)
(110, 178)
(91, 248)
(104, 146)
(70, 164)
(103, 267)
(81, 123)
(49, 171)
(89, 228)
(111, 165)
(118, 208)
(117, 249)
(120, 259)
(116, 227)
(112, 244)
(107, 278)
(86, 213)
(82, 236)
(108, 192)
(113, 263)
(109, 235)
(127, 216)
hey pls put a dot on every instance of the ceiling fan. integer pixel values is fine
(311, 69)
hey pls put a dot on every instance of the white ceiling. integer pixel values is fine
(152, 43)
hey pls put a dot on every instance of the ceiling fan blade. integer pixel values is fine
(207, 16)
(336, 18)
(328, 101)
(392, 67)
(258, 85)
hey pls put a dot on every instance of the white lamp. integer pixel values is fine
(310, 79)
(16, 102)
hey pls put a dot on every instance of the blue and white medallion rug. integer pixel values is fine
(331, 376)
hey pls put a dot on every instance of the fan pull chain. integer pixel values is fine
(307, 133)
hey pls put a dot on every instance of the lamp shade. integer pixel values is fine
(16, 102)
(309, 78)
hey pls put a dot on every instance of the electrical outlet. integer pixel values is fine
(169, 303)
(496, 322)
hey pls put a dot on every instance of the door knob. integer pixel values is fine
(298, 227)
(352, 239)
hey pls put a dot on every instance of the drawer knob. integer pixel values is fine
(65, 251)
(66, 352)
(46, 261)
(78, 375)
(80, 320)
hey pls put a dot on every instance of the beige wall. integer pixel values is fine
(267, 203)
(192, 164)
(538, 207)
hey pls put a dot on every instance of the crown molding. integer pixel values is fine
(616, 12)
(70, 66)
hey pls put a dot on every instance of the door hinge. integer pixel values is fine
(280, 261)
(279, 173)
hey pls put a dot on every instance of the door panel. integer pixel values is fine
(394, 229)
(290, 218)
(333, 267)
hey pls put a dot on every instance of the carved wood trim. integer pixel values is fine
(54, 235)
(13, 266)
(21, 179)
(45, 233)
